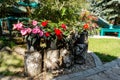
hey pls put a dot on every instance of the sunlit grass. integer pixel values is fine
(106, 49)
(10, 64)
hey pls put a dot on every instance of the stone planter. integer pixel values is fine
(51, 59)
(55, 55)
(81, 47)
(66, 57)
(33, 63)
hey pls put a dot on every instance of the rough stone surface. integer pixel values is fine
(92, 70)
(108, 71)
(89, 63)
(96, 58)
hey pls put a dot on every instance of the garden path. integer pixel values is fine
(108, 71)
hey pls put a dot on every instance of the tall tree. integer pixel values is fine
(108, 9)
(3, 7)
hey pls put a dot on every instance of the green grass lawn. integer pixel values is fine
(10, 63)
(106, 49)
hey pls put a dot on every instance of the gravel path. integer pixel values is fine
(108, 71)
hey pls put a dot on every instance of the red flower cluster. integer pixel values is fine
(92, 17)
(44, 24)
(86, 26)
(58, 33)
(64, 26)
(47, 34)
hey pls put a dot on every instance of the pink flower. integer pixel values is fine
(24, 31)
(14, 26)
(34, 23)
(18, 26)
(36, 30)
(41, 33)
(29, 30)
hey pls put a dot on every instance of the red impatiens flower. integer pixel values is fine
(59, 37)
(58, 33)
(47, 34)
(64, 26)
(86, 26)
(44, 23)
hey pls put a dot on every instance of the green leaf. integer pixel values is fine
(34, 40)
(63, 11)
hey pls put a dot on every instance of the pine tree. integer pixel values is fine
(108, 9)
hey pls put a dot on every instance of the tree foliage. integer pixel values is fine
(4, 4)
(109, 9)
(55, 10)
(60, 10)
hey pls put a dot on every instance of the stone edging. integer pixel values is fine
(97, 60)
(97, 63)
(89, 72)
(99, 67)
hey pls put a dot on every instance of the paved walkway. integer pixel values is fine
(108, 71)
(98, 36)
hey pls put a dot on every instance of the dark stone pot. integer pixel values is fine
(81, 47)
(33, 44)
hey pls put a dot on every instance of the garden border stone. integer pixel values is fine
(97, 60)
(80, 75)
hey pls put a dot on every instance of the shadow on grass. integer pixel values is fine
(11, 65)
(12, 70)
(105, 58)
(11, 73)
(11, 42)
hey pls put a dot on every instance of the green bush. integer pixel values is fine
(57, 11)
